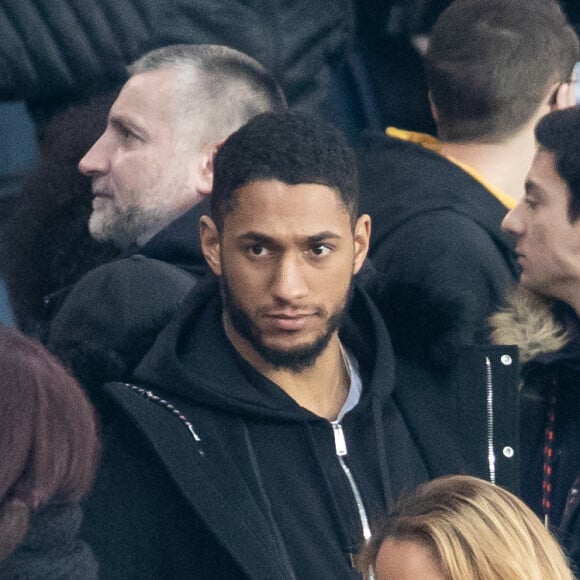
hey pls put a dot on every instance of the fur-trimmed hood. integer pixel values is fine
(537, 325)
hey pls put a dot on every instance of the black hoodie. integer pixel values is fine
(266, 482)
(436, 241)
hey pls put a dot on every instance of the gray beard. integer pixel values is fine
(123, 227)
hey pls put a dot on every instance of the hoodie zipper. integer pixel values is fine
(341, 453)
(490, 426)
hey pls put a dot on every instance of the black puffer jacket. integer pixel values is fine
(50, 50)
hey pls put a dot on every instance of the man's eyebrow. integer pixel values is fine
(323, 236)
(258, 237)
(123, 122)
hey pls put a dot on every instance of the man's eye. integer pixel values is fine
(258, 250)
(125, 132)
(531, 203)
(320, 251)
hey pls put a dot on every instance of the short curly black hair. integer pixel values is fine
(559, 133)
(289, 147)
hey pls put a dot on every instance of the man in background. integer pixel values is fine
(543, 320)
(494, 67)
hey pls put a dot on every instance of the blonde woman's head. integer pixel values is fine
(463, 528)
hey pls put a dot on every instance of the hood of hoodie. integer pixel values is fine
(179, 243)
(193, 359)
(402, 178)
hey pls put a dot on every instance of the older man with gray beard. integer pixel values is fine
(150, 170)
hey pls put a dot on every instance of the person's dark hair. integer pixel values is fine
(491, 62)
(219, 88)
(48, 436)
(289, 147)
(559, 133)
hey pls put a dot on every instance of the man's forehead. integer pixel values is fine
(147, 95)
(254, 196)
(271, 205)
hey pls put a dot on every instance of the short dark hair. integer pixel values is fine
(288, 147)
(48, 436)
(491, 62)
(559, 133)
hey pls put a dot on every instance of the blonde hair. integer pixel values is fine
(475, 530)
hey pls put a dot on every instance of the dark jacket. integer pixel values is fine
(109, 319)
(54, 50)
(436, 238)
(219, 474)
(551, 373)
(51, 549)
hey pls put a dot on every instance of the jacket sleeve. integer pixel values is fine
(52, 550)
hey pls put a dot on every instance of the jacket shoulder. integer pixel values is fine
(112, 316)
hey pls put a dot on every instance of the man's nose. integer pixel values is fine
(290, 282)
(96, 159)
(512, 222)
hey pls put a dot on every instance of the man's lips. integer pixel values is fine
(103, 194)
(291, 321)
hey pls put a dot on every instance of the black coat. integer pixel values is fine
(217, 473)
(436, 239)
(110, 318)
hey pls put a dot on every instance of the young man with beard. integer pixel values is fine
(543, 321)
(264, 433)
(150, 170)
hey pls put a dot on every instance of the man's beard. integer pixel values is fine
(123, 227)
(295, 359)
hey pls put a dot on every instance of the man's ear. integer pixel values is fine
(210, 244)
(434, 111)
(362, 237)
(205, 170)
(562, 96)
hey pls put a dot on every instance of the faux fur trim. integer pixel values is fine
(529, 323)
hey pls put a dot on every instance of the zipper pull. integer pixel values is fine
(339, 440)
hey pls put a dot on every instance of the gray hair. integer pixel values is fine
(219, 88)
